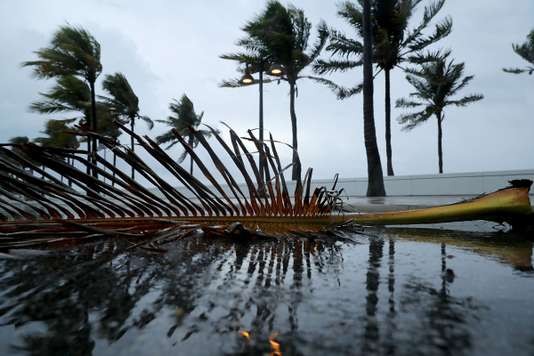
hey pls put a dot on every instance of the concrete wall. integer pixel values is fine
(420, 185)
(444, 184)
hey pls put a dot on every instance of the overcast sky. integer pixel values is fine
(168, 47)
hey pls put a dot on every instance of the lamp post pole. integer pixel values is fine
(261, 161)
(247, 79)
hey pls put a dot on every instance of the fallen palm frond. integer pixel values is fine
(37, 208)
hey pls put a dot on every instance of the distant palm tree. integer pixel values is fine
(280, 36)
(73, 95)
(59, 135)
(19, 140)
(73, 51)
(123, 103)
(435, 84)
(393, 44)
(185, 121)
(525, 51)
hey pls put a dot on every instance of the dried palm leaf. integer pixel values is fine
(36, 208)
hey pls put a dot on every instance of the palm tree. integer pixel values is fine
(69, 95)
(393, 45)
(280, 36)
(73, 95)
(123, 103)
(185, 121)
(525, 51)
(59, 135)
(375, 178)
(73, 51)
(435, 85)
(19, 140)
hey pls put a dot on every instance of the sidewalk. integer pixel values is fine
(379, 204)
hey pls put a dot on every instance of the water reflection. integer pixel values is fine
(220, 297)
(507, 248)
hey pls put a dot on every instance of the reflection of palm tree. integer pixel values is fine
(74, 52)
(371, 333)
(184, 122)
(389, 341)
(124, 291)
(123, 103)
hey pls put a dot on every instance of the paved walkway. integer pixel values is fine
(364, 204)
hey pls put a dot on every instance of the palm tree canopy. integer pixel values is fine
(72, 51)
(435, 84)
(525, 51)
(59, 135)
(185, 121)
(69, 94)
(393, 41)
(107, 121)
(19, 140)
(279, 35)
(122, 99)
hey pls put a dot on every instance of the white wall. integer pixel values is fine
(420, 185)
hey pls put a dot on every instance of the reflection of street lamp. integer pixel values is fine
(247, 79)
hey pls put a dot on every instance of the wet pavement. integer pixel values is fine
(388, 291)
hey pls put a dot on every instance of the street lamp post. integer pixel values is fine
(247, 79)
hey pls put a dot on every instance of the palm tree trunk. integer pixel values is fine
(94, 127)
(132, 127)
(190, 156)
(295, 175)
(70, 162)
(261, 160)
(375, 179)
(114, 167)
(388, 124)
(88, 168)
(105, 159)
(440, 138)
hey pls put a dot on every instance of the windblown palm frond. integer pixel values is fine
(59, 135)
(122, 100)
(72, 51)
(525, 51)
(70, 94)
(122, 103)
